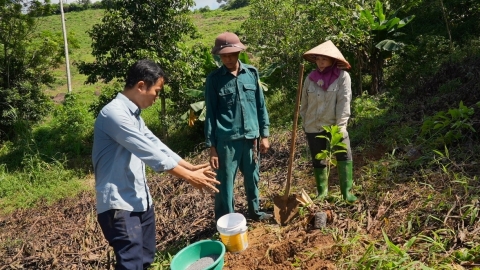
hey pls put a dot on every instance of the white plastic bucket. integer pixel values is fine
(233, 231)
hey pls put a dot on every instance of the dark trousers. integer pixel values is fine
(317, 145)
(132, 236)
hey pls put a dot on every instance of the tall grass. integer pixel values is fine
(47, 162)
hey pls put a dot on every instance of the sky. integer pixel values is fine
(202, 3)
(199, 3)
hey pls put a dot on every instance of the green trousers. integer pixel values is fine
(232, 156)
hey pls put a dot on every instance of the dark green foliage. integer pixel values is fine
(458, 18)
(366, 35)
(441, 32)
(233, 4)
(447, 127)
(133, 30)
(204, 9)
(26, 61)
(24, 104)
(109, 92)
(73, 128)
(153, 29)
(275, 30)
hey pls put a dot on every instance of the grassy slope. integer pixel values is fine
(212, 23)
(77, 24)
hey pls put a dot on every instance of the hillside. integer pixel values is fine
(416, 172)
(79, 23)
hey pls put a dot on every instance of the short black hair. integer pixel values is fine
(144, 70)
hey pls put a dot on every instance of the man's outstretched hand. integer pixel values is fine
(202, 178)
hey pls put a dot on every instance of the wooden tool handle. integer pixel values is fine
(294, 132)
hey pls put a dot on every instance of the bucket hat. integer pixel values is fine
(328, 49)
(227, 43)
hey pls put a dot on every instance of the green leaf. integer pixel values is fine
(243, 57)
(392, 246)
(439, 125)
(334, 129)
(322, 137)
(197, 106)
(203, 114)
(391, 25)
(185, 116)
(338, 152)
(379, 11)
(405, 21)
(270, 69)
(439, 153)
(410, 242)
(322, 155)
(263, 85)
(328, 129)
(336, 138)
(367, 15)
(194, 93)
(389, 45)
(342, 144)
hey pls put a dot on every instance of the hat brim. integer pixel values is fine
(327, 49)
(233, 48)
(311, 58)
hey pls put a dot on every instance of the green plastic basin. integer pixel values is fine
(191, 253)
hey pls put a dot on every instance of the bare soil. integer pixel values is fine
(65, 235)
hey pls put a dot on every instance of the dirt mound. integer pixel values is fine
(274, 247)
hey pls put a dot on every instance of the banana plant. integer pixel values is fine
(383, 28)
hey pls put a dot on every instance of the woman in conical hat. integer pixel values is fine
(325, 102)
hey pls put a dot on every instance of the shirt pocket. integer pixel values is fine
(250, 91)
(227, 96)
(333, 87)
(311, 89)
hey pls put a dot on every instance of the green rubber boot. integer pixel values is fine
(345, 174)
(321, 178)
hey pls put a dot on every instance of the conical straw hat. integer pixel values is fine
(328, 49)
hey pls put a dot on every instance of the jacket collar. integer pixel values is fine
(134, 110)
(225, 70)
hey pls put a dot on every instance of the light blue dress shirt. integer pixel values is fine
(122, 145)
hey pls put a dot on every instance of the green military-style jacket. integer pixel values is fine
(235, 106)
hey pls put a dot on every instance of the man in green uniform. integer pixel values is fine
(236, 125)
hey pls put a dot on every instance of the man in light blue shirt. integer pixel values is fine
(122, 146)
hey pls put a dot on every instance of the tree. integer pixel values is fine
(291, 27)
(383, 30)
(233, 4)
(288, 28)
(132, 30)
(26, 62)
